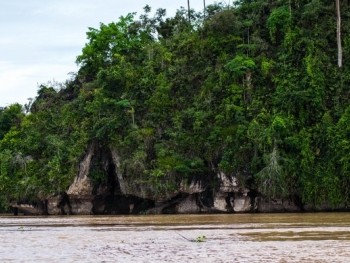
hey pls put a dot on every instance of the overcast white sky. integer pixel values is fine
(40, 39)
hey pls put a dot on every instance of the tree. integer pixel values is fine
(189, 11)
(340, 51)
(9, 117)
(251, 91)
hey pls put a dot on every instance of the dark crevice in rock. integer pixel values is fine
(297, 201)
(253, 194)
(206, 198)
(102, 187)
(64, 204)
(30, 207)
(170, 207)
(230, 199)
(120, 204)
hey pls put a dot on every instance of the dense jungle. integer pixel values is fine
(258, 91)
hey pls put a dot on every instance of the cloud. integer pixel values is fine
(18, 83)
(68, 9)
(40, 40)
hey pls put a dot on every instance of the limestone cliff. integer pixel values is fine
(115, 193)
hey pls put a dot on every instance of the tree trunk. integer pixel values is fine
(340, 52)
(189, 11)
(204, 8)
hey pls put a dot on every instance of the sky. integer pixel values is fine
(40, 39)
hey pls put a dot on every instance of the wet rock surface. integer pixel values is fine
(100, 187)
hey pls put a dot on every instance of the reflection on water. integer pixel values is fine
(322, 237)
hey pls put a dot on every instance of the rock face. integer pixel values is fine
(279, 205)
(82, 183)
(113, 193)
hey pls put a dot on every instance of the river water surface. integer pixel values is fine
(319, 237)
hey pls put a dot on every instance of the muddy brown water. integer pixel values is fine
(319, 237)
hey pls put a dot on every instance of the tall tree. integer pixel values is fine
(340, 52)
(189, 10)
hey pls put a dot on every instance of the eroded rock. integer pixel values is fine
(82, 184)
(118, 194)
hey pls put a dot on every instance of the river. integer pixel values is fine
(318, 237)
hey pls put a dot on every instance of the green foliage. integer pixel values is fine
(278, 23)
(252, 91)
(271, 179)
(266, 66)
(10, 117)
(240, 65)
(200, 239)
